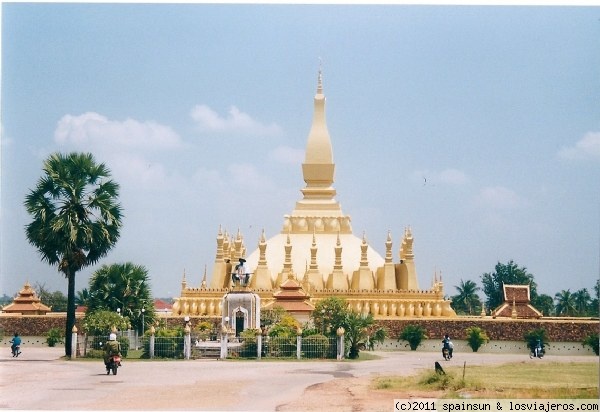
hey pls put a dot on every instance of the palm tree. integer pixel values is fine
(124, 287)
(82, 297)
(467, 299)
(582, 301)
(76, 218)
(565, 303)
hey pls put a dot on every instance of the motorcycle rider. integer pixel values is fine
(112, 348)
(446, 346)
(15, 344)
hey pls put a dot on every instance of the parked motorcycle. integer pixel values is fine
(113, 363)
(537, 353)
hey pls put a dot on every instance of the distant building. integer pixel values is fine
(517, 303)
(26, 303)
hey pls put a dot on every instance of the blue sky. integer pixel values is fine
(478, 127)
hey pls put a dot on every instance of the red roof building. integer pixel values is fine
(27, 303)
(517, 303)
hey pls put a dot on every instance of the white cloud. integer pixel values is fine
(287, 155)
(588, 147)
(499, 198)
(94, 131)
(236, 121)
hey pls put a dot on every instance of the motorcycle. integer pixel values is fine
(537, 353)
(16, 350)
(446, 353)
(113, 363)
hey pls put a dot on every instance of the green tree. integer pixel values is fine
(467, 301)
(329, 314)
(565, 303)
(56, 300)
(102, 322)
(358, 334)
(582, 300)
(509, 274)
(82, 297)
(125, 287)
(544, 303)
(76, 218)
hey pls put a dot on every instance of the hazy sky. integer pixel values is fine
(479, 127)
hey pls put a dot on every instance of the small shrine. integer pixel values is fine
(241, 310)
(26, 303)
(517, 303)
(292, 297)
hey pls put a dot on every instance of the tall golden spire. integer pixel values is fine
(318, 210)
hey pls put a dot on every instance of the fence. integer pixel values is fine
(181, 347)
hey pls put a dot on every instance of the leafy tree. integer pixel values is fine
(357, 332)
(565, 303)
(269, 317)
(544, 303)
(56, 300)
(330, 314)
(76, 218)
(125, 287)
(414, 335)
(467, 301)
(509, 274)
(102, 322)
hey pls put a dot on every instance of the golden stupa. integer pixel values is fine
(317, 249)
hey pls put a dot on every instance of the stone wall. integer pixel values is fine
(558, 329)
(505, 329)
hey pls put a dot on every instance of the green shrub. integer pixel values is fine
(282, 347)
(54, 336)
(168, 343)
(476, 337)
(593, 342)
(533, 336)
(94, 353)
(315, 347)
(414, 335)
(124, 341)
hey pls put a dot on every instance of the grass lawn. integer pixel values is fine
(542, 380)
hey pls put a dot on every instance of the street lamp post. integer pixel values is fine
(143, 310)
(119, 311)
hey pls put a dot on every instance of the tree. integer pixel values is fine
(509, 274)
(56, 300)
(544, 303)
(76, 218)
(582, 300)
(329, 314)
(467, 301)
(358, 334)
(565, 303)
(82, 297)
(123, 287)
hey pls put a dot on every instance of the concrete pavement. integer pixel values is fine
(40, 380)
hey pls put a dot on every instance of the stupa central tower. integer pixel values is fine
(318, 210)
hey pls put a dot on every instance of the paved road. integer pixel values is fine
(39, 379)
